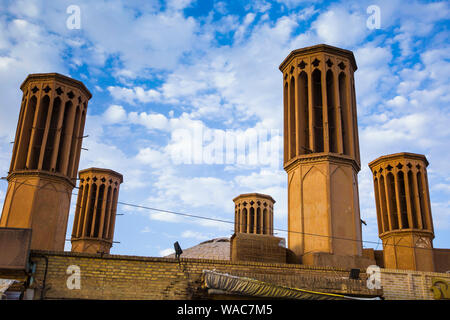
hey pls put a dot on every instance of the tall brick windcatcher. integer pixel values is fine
(321, 156)
(45, 158)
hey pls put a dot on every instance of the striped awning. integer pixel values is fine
(5, 284)
(254, 288)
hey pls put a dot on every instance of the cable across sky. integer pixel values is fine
(230, 222)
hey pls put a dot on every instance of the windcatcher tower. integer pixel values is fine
(253, 238)
(253, 213)
(95, 214)
(45, 158)
(403, 208)
(321, 156)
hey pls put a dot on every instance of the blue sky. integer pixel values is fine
(159, 69)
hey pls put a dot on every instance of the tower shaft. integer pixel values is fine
(45, 158)
(321, 155)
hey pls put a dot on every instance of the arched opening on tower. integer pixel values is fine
(412, 199)
(303, 113)
(113, 214)
(83, 211)
(25, 137)
(402, 196)
(18, 133)
(422, 200)
(77, 212)
(90, 213)
(64, 142)
(331, 112)
(318, 111)
(107, 212)
(52, 130)
(392, 200)
(73, 143)
(354, 122)
(244, 220)
(98, 213)
(42, 111)
(285, 133)
(79, 142)
(266, 221)
(292, 127)
(383, 203)
(258, 221)
(343, 102)
(252, 220)
(378, 207)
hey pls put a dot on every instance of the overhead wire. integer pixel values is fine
(226, 221)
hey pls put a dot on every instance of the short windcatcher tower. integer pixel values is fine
(403, 208)
(95, 214)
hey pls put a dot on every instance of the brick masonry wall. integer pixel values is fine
(129, 277)
(409, 285)
(441, 260)
(257, 247)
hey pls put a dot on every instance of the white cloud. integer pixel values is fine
(149, 120)
(339, 27)
(166, 252)
(263, 179)
(150, 40)
(146, 229)
(295, 3)
(151, 157)
(412, 22)
(197, 191)
(259, 6)
(441, 217)
(398, 132)
(241, 30)
(28, 48)
(164, 216)
(179, 4)
(2, 196)
(115, 114)
(102, 153)
(133, 95)
(26, 8)
(374, 76)
(194, 235)
(397, 102)
(239, 77)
